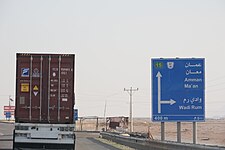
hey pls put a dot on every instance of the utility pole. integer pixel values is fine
(105, 116)
(105, 109)
(9, 100)
(130, 92)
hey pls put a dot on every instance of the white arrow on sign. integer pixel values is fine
(35, 93)
(159, 76)
(171, 101)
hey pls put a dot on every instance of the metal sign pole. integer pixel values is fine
(194, 133)
(179, 132)
(162, 131)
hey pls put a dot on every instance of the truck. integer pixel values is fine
(45, 99)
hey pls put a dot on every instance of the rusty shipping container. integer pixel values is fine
(44, 88)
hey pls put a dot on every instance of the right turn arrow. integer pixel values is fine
(171, 102)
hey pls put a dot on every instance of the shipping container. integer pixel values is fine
(44, 88)
(44, 113)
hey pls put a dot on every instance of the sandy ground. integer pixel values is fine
(211, 132)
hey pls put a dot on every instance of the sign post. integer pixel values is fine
(194, 132)
(179, 132)
(162, 131)
(178, 90)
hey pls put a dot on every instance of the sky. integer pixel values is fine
(114, 41)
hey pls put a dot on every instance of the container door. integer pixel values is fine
(54, 88)
(36, 88)
(23, 89)
(66, 90)
(60, 92)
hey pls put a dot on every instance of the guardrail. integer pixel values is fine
(145, 144)
(85, 131)
(5, 121)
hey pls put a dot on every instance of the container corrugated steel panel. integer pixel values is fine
(44, 88)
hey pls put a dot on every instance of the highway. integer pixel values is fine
(6, 132)
(84, 141)
(87, 141)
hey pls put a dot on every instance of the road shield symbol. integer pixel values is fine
(170, 65)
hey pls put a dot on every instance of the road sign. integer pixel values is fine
(9, 109)
(75, 114)
(11, 112)
(8, 115)
(178, 89)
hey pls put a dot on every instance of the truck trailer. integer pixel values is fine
(45, 98)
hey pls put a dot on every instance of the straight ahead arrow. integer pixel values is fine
(159, 76)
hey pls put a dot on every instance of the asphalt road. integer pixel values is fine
(87, 141)
(84, 141)
(6, 135)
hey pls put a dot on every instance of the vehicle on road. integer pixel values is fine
(44, 113)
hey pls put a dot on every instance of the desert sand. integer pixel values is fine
(210, 132)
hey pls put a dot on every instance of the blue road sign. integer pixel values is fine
(8, 115)
(75, 114)
(178, 89)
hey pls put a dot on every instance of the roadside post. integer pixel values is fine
(75, 118)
